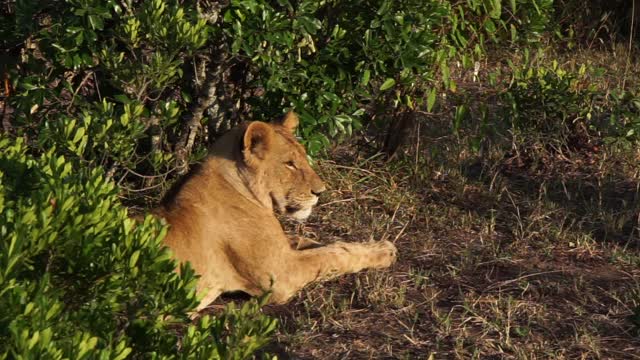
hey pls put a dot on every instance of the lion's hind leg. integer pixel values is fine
(207, 299)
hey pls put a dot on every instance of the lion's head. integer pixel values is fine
(278, 166)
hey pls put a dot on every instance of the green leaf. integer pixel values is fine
(489, 26)
(134, 258)
(365, 77)
(496, 9)
(96, 22)
(431, 99)
(122, 98)
(387, 84)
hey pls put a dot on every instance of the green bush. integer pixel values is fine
(332, 60)
(562, 102)
(547, 99)
(81, 280)
(101, 79)
(326, 59)
(623, 120)
(158, 80)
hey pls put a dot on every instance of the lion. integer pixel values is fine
(221, 218)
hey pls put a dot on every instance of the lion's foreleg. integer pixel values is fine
(322, 263)
(303, 243)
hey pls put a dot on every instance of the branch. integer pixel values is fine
(75, 93)
(209, 97)
(5, 109)
(193, 122)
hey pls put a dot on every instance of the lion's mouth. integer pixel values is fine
(288, 209)
(291, 209)
(296, 210)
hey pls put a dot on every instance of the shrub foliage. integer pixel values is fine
(80, 279)
(141, 87)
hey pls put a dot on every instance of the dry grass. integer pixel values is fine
(496, 261)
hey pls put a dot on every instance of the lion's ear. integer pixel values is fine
(257, 140)
(290, 121)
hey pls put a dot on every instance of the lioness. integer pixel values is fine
(222, 218)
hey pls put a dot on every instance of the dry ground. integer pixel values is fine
(498, 258)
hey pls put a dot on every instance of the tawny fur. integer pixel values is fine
(222, 218)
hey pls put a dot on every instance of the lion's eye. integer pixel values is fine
(290, 164)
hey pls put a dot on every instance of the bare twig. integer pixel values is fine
(511, 281)
(156, 142)
(75, 93)
(5, 109)
(151, 176)
(95, 79)
(631, 30)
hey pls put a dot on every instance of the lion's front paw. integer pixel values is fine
(386, 254)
